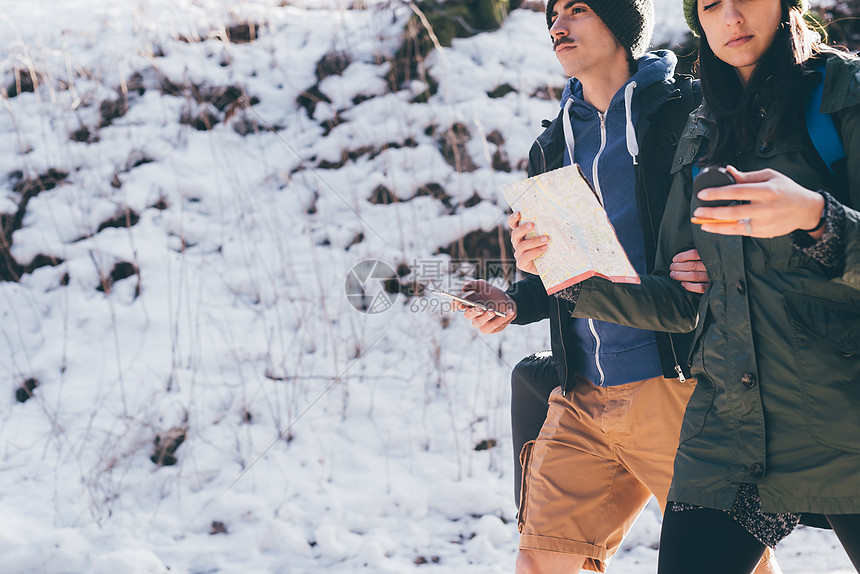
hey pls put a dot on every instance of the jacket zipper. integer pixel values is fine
(654, 233)
(563, 350)
(596, 181)
(602, 117)
(558, 307)
(557, 302)
(597, 352)
(678, 369)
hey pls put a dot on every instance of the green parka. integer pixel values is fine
(777, 345)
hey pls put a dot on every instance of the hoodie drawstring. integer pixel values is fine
(632, 144)
(630, 131)
(568, 129)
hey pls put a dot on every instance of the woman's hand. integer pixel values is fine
(526, 250)
(777, 206)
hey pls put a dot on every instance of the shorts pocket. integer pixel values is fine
(525, 458)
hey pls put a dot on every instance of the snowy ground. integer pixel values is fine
(179, 281)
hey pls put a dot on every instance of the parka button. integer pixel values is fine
(757, 470)
(764, 147)
(748, 380)
(741, 286)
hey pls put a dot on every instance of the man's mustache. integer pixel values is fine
(562, 40)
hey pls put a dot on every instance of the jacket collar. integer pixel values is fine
(841, 83)
(696, 130)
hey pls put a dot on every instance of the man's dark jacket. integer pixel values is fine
(664, 110)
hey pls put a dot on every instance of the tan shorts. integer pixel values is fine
(601, 454)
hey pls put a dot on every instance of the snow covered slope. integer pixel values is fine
(185, 195)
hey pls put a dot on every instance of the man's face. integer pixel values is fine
(582, 42)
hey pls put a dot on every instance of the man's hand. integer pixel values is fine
(494, 298)
(526, 250)
(688, 269)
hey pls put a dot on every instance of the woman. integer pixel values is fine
(773, 428)
(795, 361)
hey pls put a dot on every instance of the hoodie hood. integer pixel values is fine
(653, 68)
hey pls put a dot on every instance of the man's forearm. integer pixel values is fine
(531, 300)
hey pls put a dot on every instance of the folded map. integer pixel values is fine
(582, 241)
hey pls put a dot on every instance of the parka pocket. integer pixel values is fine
(704, 318)
(697, 409)
(837, 324)
(826, 339)
(701, 403)
(525, 458)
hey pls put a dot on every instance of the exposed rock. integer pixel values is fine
(243, 33)
(453, 148)
(382, 195)
(501, 91)
(333, 63)
(218, 527)
(166, 444)
(309, 99)
(126, 217)
(112, 109)
(24, 80)
(435, 191)
(202, 118)
(11, 270)
(121, 270)
(486, 444)
(137, 158)
(24, 392)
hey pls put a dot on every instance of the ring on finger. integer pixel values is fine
(747, 225)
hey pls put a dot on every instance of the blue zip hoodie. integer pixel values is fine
(604, 146)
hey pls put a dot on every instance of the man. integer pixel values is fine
(611, 430)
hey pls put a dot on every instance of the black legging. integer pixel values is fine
(532, 381)
(709, 541)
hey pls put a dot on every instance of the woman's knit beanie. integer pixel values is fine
(631, 21)
(691, 13)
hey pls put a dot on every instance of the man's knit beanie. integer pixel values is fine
(691, 13)
(631, 21)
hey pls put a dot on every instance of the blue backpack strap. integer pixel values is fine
(822, 130)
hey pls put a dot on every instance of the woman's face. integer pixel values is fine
(739, 32)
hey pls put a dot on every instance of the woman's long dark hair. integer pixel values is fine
(734, 108)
